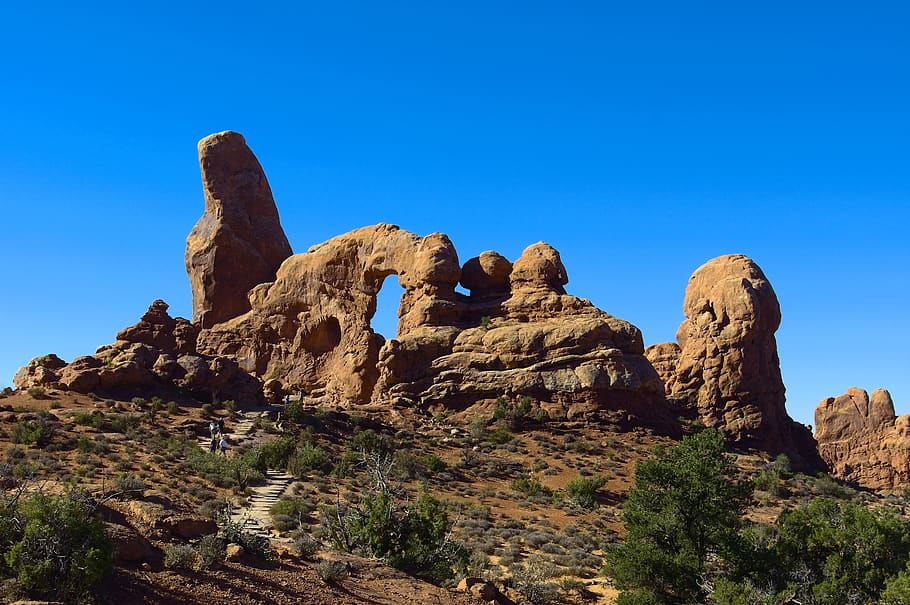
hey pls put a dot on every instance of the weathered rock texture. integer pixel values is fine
(157, 355)
(725, 369)
(238, 243)
(862, 440)
(518, 333)
(306, 326)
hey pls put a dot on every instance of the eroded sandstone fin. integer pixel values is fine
(238, 242)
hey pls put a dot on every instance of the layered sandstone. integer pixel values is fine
(155, 356)
(238, 242)
(304, 326)
(724, 368)
(863, 441)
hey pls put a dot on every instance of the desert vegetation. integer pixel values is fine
(558, 512)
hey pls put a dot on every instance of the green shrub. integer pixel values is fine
(826, 485)
(274, 454)
(331, 572)
(210, 551)
(530, 486)
(294, 412)
(305, 546)
(179, 556)
(120, 423)
(308, 457)
(289, 513)
(434, 463)
(500, 437)
(37, 392)
(233, 533)
(370, 441)
(412, 538)
(95, 418)
(512, 415)
(128, 485)
(581, 491)
(27, 432)
(60, 550)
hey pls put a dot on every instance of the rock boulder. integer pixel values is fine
(863, 441)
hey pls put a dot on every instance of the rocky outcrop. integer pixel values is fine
(155, 356)
(528, 338)
(862, 440)
(238, 243)
(725, 370)
(306, 326)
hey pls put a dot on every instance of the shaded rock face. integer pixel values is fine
(156, 355)
(238, 243)
(862, 440)
(725, 370)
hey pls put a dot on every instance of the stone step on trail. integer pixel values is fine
(256, 517)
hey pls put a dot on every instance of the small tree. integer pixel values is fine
(61, 550)
(682, 517)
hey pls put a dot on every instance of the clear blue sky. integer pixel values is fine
(640, 139)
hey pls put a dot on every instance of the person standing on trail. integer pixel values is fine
(212, 427)
(223, 445)
(214, 443)
(221, 425)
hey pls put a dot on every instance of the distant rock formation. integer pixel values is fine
(156, 355)
(238, 243)
(725, 370)
(863, 441)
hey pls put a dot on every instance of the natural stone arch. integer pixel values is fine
(288, 335)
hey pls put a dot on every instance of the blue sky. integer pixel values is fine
(640, 140)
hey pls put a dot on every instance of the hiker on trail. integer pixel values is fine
(212, 427)
(223, 446)
(213, 444)
(221, 425)
(278, 422)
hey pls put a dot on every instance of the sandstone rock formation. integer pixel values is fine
(725, 369)
(862, 440)
(155, 356)
(307, 327)
(238, 243)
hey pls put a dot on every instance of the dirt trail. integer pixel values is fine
(255, 516)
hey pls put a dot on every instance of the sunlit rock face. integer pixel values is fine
(304, 325)
(724, 369)
(863, 441)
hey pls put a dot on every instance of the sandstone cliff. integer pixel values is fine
(863, 441)
(724, 368)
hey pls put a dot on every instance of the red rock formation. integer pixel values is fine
(863, 441)
(537, 341)
(238, 243)
(154, 356)
(518, 333)
(725, 369)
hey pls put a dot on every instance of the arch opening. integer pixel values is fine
(388, 301)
